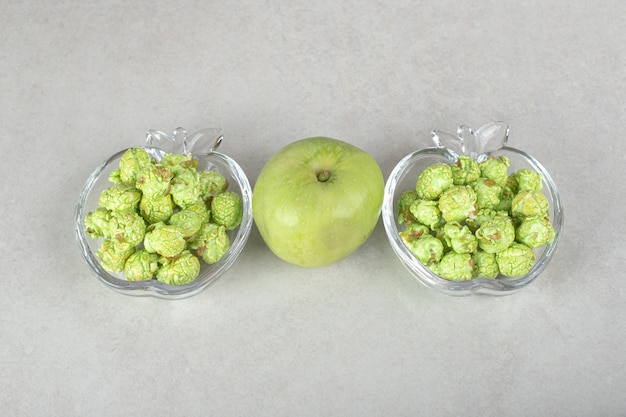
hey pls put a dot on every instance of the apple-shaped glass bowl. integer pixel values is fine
(201, 145)
(489, 140)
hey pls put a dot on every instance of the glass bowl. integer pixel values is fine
(480, 144)
(202, 146)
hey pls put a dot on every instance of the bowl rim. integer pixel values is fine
(153, 287)
(500, 286)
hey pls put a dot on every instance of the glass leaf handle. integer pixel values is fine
(203, 141)
(477, 144)
(160, 140)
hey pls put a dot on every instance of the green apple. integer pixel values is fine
(317, 200)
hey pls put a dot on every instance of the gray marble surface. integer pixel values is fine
(84, 79)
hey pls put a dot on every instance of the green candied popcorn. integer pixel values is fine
(113, 254)
(529, 204)
(404, 207)
(186, 188)
(426, 212)
(141, 265)
(156, 209)
(457, 203)
(434, 268)
(505, 198)
(97, 223)
(465, 170)
(413, 231)
(439, 233)
(486, 265)
(212, 183)
(487, 193)
(201, 210)
(433, 181)
(120, 197)
(176, 162)
(114, 177)
(482, 215)
(496, 169)
(516, 260)
(427, 249)
(211, 242)
(132, 162)
(511, 183)
(535, 232)
(180, 270)
(227, 209)
(187, 221)
(496, 234)
(154, 180)
(203, 236)
(460, 238)
(529, 180)
(127, 227)
(456, 266)
(166, 240)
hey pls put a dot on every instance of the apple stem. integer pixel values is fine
(323, 175)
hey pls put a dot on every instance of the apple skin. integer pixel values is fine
(317, 200)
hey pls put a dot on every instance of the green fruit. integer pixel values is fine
(317, 200)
